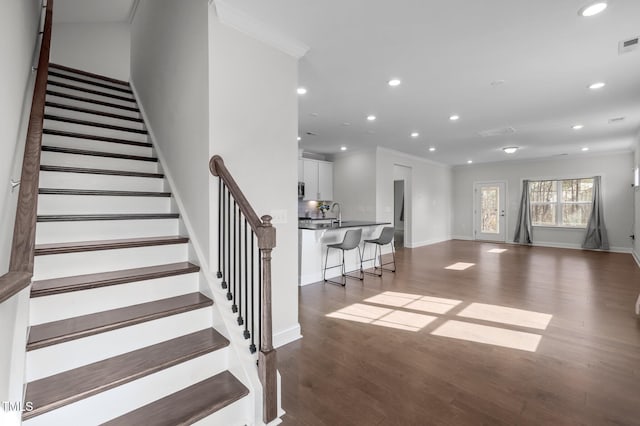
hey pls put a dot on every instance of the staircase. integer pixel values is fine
(119, 331)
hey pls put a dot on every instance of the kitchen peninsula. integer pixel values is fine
(314, 235)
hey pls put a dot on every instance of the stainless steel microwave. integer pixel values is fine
(300, 189)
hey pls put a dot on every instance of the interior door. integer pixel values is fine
(489, 211)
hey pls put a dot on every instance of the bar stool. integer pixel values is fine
(386, 237)
(351, 241)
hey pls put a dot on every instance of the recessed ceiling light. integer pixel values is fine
(454, 117)
(371, 117)
(415, 134)
(593, 9)
(394, 82)
(596, 86)
(510, 149)
(577, 126)
(469, 161)
(299, 138)
(585, 148)
(343, 148)
(432, 149)
(301, 91)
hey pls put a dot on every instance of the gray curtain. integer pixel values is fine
(596, 237)
(523, 227)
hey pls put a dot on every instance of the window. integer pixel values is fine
(561, 202)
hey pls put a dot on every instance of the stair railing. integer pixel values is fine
(24, 231)
(238, 271)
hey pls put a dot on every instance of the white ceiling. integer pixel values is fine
(447, 53)
(88, 11)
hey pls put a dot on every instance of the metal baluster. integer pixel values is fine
(220, 244)
(229, 270)
(240, 320)
(259, 296)
(252, 346)
(246, 283)
(234, 307)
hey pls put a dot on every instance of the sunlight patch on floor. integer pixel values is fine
(417, 302)
(506, 315)
(460, 266)
(383, 317)
(489, 335)
(497, 250)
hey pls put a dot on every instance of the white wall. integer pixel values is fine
(427, 197)
(254, 126)
(615, 170)
(169, 63)
(18, 29)
(354, 184)
(636, 231)
(98, 47)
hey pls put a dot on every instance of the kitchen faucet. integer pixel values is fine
(333, 206)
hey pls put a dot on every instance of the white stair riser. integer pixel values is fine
(93, 145)
(88, 204)
(65, 180)
(236, 414)
(93, 162)
(95, 131)
(90, 105)
(63, 112)
(84, 94)
(91, 86)
(93, 262)
(58, 232)
(76, 303)
(130, 396)
(65, 356)
(84, 77)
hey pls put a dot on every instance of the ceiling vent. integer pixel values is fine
(616, 120)
(311, 134)
(629, 45)
(497, 132)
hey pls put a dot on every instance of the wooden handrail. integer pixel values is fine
(24, 231)
(266, 236)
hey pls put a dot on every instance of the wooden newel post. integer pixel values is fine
(267, 362)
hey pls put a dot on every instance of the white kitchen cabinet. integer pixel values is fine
(318, 179)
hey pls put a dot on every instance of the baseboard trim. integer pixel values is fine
(288, 335)
(462, 237)
(636, 257)
(428, 242)
(626, 250)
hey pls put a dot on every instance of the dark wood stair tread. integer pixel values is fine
(55, 332)
(63, 150)
(82, 246)
(91, 91)
(93, 124)
(95, 217)
(99, 192)
(125, 89)
(92, 111)
(54, 132)
(92, 101)
(103, 279)
(88, 74)
(65, 169)
(73, 385)
(189, 405)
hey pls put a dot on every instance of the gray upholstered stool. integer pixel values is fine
(351, 241)
(386, 237)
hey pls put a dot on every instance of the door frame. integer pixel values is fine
(475, 212)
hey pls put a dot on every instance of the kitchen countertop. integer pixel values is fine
(345, 224)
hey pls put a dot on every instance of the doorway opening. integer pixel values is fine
(398, 212)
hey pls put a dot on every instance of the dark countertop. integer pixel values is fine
(345, 224)
(317, 218)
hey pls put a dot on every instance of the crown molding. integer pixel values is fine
(252, 27)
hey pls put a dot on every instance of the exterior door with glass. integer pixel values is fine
(489, 211)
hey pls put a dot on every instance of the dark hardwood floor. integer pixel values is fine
(585, 369)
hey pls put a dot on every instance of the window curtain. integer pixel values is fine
(523, 228)
(596, 237)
